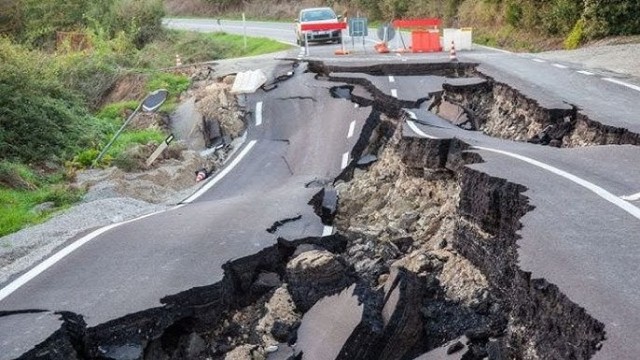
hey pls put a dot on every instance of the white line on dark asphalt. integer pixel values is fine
(394, 93)
(584, 72)
(259, 113)
(634, 197)
(560, 66)
(345, 160)
(630, 86)
(622, 204)
(632, 210)
(222, 173)
(327, 230)
(416, 130)
(40, 268)
(392, 79)
(539, 60)
(352, 129)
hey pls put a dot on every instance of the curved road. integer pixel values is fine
(582, 236)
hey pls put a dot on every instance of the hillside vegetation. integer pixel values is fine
(516, 24)
(59, 62)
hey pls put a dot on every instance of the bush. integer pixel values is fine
(575, 37)
(142, 19)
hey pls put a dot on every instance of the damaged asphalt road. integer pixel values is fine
(438, 245)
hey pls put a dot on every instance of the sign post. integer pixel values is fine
(159, 150)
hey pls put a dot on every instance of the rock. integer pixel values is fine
(282, 331)
(305, 247)
(366, 160)
(555, 143)
(283, 352)
(44, 207)
(122, 352)
(313, 275)
(403, 243)
(457, 346)
(194, 346)
(280, 319)
(271, 349)
(266, 281)
(243, 352)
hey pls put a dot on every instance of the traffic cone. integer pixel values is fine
(452, 53)
(178, 61)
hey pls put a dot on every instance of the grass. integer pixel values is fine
(194, 47)
(22, 189)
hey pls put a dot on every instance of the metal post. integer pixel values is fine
(306, 43)
(244, 26)
(104, 150)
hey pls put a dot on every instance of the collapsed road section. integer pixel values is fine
(423, 263)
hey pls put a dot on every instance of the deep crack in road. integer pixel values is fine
(424, 259)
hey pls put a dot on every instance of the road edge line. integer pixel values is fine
(221, 174)
(53, 259)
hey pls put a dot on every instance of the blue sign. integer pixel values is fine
(358, 27)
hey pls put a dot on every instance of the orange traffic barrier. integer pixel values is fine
(425, 33)
(381, 47)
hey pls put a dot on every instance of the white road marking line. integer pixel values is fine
(630, 86)
(634, 197)
(560, 66)
(539, 60)
(345, 160)
(259, 113)
(632, 210)
(391, 79)
(394, 93)
(327, 230)
(416, 130)
(222, 173)
(584, 72)
(40, 268)
(352, 129)
(622, 204)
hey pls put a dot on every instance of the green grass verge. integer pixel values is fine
(22, 190)
(194, 47)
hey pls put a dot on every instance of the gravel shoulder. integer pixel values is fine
(622, 59)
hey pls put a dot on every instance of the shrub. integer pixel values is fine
(576, 36)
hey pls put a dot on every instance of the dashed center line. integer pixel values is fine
(584, 72)
(392, 79)
(352, 129)
(394, 93)
(345, 160)
(539, 60)
(630, 86)
(560, 66)
(259, 113)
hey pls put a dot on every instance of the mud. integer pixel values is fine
(424, 259)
